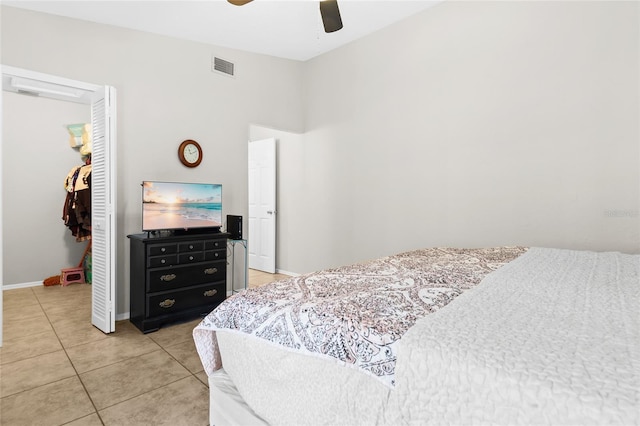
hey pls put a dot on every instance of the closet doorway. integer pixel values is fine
(102, 102)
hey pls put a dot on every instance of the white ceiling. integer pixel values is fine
(288, 29)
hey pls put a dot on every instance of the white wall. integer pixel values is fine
(36, 158)
(473, 124)
(166, 94)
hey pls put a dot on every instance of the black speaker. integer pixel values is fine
(234, 226)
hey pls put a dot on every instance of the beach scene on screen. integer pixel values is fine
(175, 205)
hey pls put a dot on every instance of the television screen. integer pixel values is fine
(181, 205)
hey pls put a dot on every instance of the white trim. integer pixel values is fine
(1, 222)
(21, 285)
(49, 78)
(291, 274)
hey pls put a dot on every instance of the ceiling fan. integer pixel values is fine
(328, 10)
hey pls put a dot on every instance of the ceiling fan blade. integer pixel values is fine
(330, 15)
(239, 2)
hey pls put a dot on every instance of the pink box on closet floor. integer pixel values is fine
(72, 275)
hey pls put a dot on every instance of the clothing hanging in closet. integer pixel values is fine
(76, 212)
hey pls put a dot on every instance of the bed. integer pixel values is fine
(504, 335)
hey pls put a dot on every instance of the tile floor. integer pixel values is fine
(57, 369)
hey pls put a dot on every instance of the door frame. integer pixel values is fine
(74, 91)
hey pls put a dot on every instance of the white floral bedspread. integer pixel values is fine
(354, 314)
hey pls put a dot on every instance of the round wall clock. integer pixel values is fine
(190, 153)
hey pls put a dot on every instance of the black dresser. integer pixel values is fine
(176, 278)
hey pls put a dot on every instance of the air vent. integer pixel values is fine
(27, 92)
(222, 66)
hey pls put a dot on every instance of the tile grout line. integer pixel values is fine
(72, 365)
(42, 299)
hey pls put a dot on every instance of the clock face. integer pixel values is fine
(190, 153)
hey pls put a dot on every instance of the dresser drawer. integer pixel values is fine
(168, 260)
(215, 254)
(190, 257)
(192, 246)
(161, 249)
(162, 279)
(215, 244)
(169, 302)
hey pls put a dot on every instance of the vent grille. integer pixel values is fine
(27, 92)
(223, 66)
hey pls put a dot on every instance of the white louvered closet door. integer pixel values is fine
(103, 208)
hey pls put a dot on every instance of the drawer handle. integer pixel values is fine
(210, 271)
(168, 277)
(210, 293)
(167, 303)
(190, 257)
(163, 249)
(190, 246)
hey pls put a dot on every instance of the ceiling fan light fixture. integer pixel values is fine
(329, 12)
(330, 15)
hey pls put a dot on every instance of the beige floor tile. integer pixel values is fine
(62, 317)
(202, 376)
(53, 404)
(117, 347)
(30, 373)
(258, 278)
(175, 333)
(69, 302)
(73, 333)
(90, 420)
(81, 305)
(126, 326)
(61, 321)
(29, 346)
(17, 312)
(127, 368)
(35, 324)
(20, 313)
(186, 354)
(19, 297)
(124, 380)
(50, 292)
(185, 402)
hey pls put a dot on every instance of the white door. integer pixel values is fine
(103, 208)
(262, 205)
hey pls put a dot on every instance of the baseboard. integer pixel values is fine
(291, 274)
(21, 285)
(122, 317)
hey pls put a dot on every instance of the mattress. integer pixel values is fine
(287, 388)
(551, 337)
(337, 326)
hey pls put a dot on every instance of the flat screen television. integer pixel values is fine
(181, 206)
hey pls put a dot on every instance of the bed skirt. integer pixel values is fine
(226, 406)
